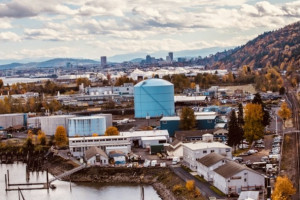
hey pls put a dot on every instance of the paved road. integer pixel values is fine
(203, 187)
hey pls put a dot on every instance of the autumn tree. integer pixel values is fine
(29, 146)
(187, 119)
(1, 84)
(235, 133)
(284, 112)
(284, 189)
(95, 135)
(110, 131)
(123, 79)
(253, 128)
(266, 115)
(42, 138)
(60, 136)
(86, 82)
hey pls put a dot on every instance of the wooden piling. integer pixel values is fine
(5, 183)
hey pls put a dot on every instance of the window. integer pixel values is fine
(245, 179)
(204, 151)
(164, 122)
(227, 150)
(209, 121)
(211, 151)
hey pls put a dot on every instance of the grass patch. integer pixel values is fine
(186, 168)
(216, 190)
(239, 151)
(200, 179)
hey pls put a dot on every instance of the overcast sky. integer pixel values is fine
(88, 29)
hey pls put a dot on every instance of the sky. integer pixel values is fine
(33, 29)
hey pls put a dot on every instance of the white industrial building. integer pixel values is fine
(196, 150)
(235, 178)
(78, 145)
(149, 141)
(135, 137)
(126, 89)
(49, 124)
(108, 119)
(13, 120)
(208, 163)
(86, 126)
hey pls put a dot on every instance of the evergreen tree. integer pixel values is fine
(235, 133)
(240, 119)
(266, 115)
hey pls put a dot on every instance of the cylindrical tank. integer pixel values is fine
(86, 126)
(154, 98)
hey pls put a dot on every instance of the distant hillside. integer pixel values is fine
(162, 54)
(277, 48)
(57, 62)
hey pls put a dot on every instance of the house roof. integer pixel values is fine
(194, 146)
(182, 135)
(231, 168)
(210, 159)
(94, 151)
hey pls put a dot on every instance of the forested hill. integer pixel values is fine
(277, 48)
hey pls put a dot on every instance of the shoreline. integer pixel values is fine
(96, 174)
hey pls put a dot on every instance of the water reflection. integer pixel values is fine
(80, 191)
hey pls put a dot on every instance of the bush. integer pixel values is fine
(178, 189)
(190, 185)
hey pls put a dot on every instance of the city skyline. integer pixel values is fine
(88, 29)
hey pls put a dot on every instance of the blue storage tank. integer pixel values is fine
(154, 98)
(86, 126)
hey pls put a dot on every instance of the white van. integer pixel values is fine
(175, 160)
(153, 163)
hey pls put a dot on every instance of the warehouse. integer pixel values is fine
(150, 141)
(13, 120)
(135, 137)
(86, 126)
(49, 124)
(78, 145)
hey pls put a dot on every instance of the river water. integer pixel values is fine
(78, 191)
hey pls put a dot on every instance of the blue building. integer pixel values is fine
(205, 122)
(154, 98)
(86, 126)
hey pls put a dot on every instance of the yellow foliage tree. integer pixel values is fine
(60, 136)
(284, 112)
(284, 189)
(190, 185)
(253, 128)
(95, 134)
(111, 131)
(42, 138)
(193, 85)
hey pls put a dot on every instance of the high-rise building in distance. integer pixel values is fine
(103, 61)
(171, 55)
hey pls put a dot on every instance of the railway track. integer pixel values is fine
(292, 100)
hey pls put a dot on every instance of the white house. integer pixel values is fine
(195, 150)
(96, 156)
(208, 163)
(234, 178)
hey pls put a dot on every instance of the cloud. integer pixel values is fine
(9, 36)
(5, 24)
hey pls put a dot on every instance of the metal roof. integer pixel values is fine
(174, 118)
(231, 168)
(211, 159)
(94, 151)
(189, 98)
(205, 145)
(153, 82)
(154, 138)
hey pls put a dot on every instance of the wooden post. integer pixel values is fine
(5, 183)
(70, 184)
(8, 176)
(47, 179)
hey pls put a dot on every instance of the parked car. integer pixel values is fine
(252, 151)
(239, 159)
(259, 146)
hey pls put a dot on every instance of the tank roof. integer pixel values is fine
(153, 82)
